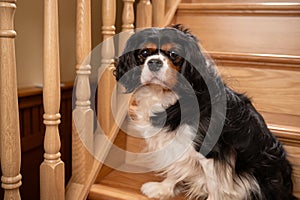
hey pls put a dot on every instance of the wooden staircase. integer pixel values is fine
(121, 185)
(218, 25)
(255, 46)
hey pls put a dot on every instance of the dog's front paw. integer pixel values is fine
(158, 190)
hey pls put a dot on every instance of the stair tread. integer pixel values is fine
(123, 186)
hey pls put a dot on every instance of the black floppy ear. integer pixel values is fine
(127, 72)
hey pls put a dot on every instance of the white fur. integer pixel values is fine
(174, 157)
(158, 77)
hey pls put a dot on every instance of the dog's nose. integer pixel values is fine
(155, 65)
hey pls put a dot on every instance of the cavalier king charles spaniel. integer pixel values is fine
(206, 149)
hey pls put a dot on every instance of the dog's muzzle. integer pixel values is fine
(155, 65)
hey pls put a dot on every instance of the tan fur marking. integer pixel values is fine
(150, 46)
(167, 46)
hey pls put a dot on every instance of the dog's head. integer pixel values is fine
(161, 56)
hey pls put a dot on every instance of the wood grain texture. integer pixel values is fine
(272, 90)
(144, 14)
(107, 81)
(123, 186)
(82, 115)
(243, 33)
(52, 183)
(294, 156)
(255, 48)
(128, 15)
(158, 11)
(170, 12)
(9, 118)
(245, 8)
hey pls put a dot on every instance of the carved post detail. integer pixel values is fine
(107, 80)
(127, 23)
(144, 14)
(82, 114)
(52, 169)
(9, 112)
(128, 15)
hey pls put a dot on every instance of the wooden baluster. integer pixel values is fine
(171, 7)
(9, 115)
(128, 16)
(127, 23)
(107, 81)
(83, 116)
(144, 14)
(158, 12)
(169, 4)
(52, 169)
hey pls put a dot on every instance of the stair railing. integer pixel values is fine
(9, 112)
(85, 167)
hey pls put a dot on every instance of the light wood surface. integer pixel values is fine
(127, 24)
(83, 115)
(107, 81)
(144, 14)
(52, 184)
(158, 11)
(128, 15)
(244, 28)
(9, 117)
(256, 49)
(171, 8)
(123, 186)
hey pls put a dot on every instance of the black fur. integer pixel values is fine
(244, 134)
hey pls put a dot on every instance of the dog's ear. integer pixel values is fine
(127, 71)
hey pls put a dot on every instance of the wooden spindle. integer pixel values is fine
(82, 114)
(171, 7)
(107, 80)
(52, 169)
(127, 23)
(144, 14)
(158, 12)
(9, 115)
(169, 4)
(128, 16)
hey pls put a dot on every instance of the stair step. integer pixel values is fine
(123, 186)
(103, 192)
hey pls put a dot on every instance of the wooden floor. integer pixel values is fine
(123, 186)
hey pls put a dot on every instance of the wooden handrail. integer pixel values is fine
(9, 117)
(52, 182)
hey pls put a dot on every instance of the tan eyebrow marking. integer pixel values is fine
(167, 46)
(149, 45)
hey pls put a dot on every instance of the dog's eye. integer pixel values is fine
(173, 54)
(145, 53)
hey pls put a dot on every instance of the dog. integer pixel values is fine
(212, 143)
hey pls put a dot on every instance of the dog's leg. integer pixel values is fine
(160, 190)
